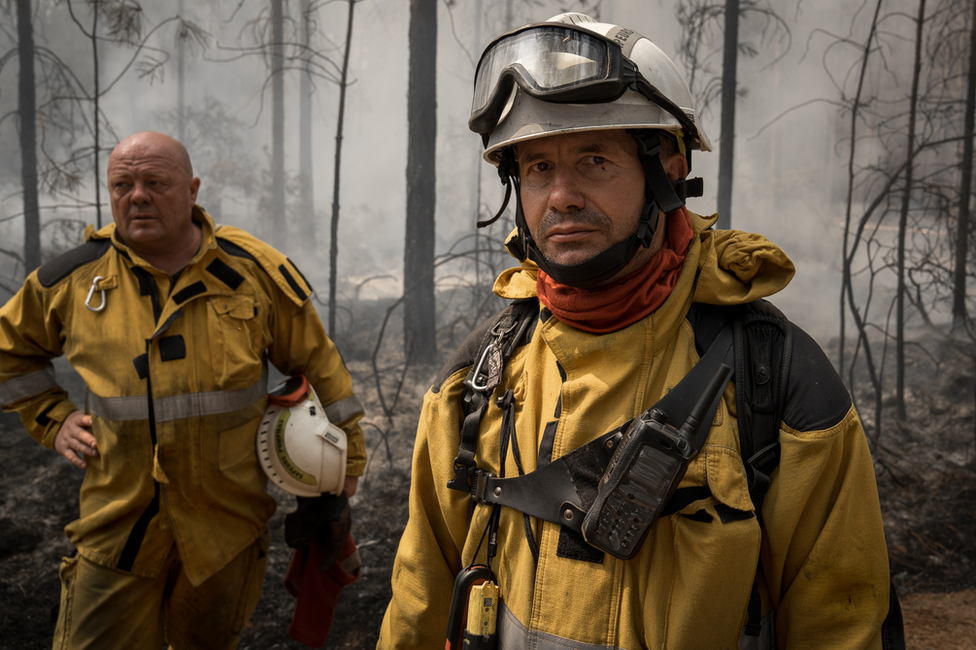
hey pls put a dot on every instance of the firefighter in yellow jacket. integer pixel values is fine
(593, 125)
(170, 321)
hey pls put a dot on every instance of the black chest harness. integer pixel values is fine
(754, 340)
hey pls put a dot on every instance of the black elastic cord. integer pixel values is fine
(509, 435)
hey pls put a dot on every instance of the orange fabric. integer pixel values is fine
(317, 591)
(611, 308)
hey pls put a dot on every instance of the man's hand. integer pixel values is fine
(74, 440)
(350, 485)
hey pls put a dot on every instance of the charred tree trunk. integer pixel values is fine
(903, 221)
(418, 258)
(334, 230)
(846, 291)
(306, 190)
(27, 109)
(278, 219)
(96, 94)
(181, 84)
(726, 148)
(965, 188)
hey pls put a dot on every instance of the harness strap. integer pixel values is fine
(762, 381)
(502, 337)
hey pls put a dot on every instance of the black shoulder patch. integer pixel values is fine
(65, 264)
(817, 398)
(233, 249)
(302, 275)
(223, 272)
(186, 293)
(291, 282)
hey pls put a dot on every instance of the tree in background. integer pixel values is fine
(306, 82)
(52, 94)
(418, 257)
(960, 314)
(904, 190)
(700, 21)
(277, 64)
(27, 112)
(334, 222)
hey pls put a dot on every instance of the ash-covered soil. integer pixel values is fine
(926, 474)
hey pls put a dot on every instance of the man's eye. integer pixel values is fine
(597, 160)
(541, 167)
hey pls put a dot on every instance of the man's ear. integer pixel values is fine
(676, 167)
(194, 188)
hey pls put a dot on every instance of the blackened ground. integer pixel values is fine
(926, 476)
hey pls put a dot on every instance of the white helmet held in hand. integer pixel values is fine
(298, 448)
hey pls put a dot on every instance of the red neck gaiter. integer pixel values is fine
(613, 307)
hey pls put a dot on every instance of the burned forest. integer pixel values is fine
(338, 132)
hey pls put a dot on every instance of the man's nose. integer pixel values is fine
(566, 191)
(140, 193)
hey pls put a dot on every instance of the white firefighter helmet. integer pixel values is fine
(572, 73)
(298, 448)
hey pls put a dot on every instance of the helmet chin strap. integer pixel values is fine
(661, 196)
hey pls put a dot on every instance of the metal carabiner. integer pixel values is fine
(91, 292)
(472, 381)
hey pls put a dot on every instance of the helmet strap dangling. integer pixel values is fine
(505, 167)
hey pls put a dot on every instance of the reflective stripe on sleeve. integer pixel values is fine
(32, 383)
(177, 407)
(344, 409)
(512, 635)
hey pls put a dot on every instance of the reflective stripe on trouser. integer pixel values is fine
(512, 635)
(176, 407)
(106, 608)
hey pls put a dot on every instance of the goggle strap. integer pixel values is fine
(647, 89)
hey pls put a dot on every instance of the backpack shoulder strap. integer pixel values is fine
(763, 355)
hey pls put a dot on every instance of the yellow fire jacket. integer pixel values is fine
(176, 377)
(824, 572)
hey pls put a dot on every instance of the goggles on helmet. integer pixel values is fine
(557, 63)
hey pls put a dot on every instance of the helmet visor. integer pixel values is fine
(554, 63)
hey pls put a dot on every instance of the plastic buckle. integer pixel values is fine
(480, 485)
(460, 481)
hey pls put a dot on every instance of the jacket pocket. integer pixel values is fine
(238, 340)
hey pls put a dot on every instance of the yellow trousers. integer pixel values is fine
(103, 607)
